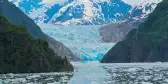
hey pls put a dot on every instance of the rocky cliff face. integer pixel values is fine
(148, 43)
(20, 53)
(115, 32)
(16, 16)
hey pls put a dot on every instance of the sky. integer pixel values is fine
(135, 2)
(131, 2)
(52, 1)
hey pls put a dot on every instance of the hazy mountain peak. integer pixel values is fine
(135, 2)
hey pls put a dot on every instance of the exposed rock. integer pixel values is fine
(115, 32)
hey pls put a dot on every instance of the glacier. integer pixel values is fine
(75, 23)
(84, 41)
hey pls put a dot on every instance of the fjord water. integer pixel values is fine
(120, 73)
(90, 73)
(97, 73)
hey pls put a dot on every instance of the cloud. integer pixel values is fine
(132, 2)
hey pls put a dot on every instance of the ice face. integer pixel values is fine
(84, 41)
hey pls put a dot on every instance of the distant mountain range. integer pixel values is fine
(85, 12)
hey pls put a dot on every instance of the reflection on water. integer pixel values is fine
(90, 73)
(97, 73)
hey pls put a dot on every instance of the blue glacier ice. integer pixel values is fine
(84, 41)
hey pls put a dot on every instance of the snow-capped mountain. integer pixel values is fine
(143, 9)
(70, 12)
(85, 41)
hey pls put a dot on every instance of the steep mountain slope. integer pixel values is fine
(117, 31)
(70, 12)
(20, 53)
(148, 43)
(16, 16)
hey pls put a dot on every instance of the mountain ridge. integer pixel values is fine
(89, 12)
(16, 16)
(21, 53)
